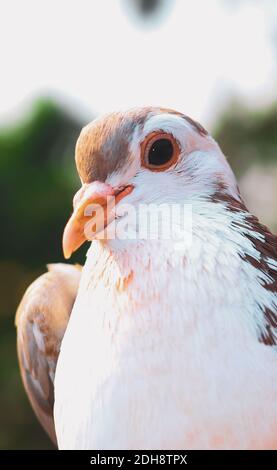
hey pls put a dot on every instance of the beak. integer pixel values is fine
(93, 205)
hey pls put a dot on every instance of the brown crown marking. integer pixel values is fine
(103, 145)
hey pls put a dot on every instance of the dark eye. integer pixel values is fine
(159, 151)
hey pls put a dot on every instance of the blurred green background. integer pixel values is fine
(37, 182)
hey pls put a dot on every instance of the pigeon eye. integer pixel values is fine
(159, 151)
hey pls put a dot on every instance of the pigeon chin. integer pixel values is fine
(92, 214)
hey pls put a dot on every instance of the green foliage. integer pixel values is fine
(248, 137)
(37, 183)
(37, 180)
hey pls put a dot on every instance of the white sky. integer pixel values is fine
(91, 53)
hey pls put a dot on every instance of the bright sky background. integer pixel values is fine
(96, 57)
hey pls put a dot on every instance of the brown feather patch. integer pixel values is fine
(41, 320)
(266, 245)
(103, 145)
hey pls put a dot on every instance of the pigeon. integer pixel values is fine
(157, 342)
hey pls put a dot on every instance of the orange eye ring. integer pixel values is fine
(159, 151)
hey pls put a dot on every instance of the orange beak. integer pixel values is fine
(93, 205)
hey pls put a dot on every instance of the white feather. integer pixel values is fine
(161, 350)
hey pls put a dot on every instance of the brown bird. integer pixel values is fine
(41, 321)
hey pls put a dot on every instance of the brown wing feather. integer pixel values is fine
(267, 263)
(265, 243)
(41, 320)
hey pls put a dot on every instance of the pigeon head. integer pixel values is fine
(144, 156)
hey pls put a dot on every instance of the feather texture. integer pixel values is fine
(163, 348)
(41, 320)
(167, 346)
